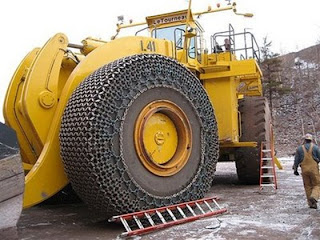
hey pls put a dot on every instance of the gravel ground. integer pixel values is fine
(252, 214)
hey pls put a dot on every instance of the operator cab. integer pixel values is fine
(187, 36)
(172, 27)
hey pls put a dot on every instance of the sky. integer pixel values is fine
(291, 25)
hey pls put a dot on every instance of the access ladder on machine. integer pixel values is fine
(154, 219)
(268, 176)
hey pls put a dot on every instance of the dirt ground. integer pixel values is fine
(281, 214)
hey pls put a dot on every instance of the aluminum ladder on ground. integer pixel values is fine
(154, 219)
(268, 176)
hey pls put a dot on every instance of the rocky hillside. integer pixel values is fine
(297, 112)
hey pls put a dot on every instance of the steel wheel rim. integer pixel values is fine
(180, 153)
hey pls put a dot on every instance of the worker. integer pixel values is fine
(227, 44)
(307, 157)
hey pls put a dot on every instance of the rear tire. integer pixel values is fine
(97, 135)
(255, 124)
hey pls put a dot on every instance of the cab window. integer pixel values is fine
(174, 33)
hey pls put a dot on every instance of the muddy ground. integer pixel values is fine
(281, 214)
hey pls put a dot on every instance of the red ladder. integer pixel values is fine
(268, 176)
(154, 219)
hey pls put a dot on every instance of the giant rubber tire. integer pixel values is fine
(255, 124)
(96, 135)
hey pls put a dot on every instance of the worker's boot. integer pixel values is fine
(313, 203)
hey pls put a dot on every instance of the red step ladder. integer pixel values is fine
(154, 219)
(268, 177)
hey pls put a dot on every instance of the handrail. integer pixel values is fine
(140, 30)
(253, 46)
(155, 30)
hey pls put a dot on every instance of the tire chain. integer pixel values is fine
(94, 118)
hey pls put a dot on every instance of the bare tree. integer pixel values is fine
(272, 68)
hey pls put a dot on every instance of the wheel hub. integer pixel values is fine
(163, 138)
(160, 138)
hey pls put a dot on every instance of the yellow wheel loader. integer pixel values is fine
(137, 122)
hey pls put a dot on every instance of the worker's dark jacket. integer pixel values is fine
(300, 155)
